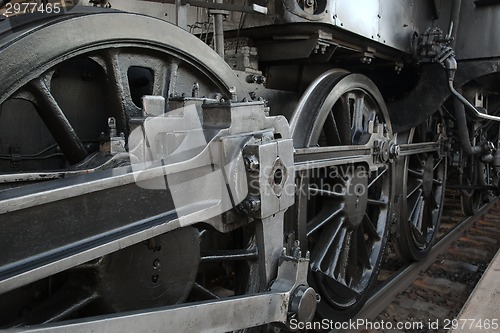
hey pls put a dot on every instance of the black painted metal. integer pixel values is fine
(346, 230)
(423, 189)
(57, 123)
(463, 131)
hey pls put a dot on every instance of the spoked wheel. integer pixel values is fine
(473, 173)
(424, 178)
(476, 173)
(54, 104)
(346, 207)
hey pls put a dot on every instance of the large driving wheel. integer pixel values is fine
(345, 208)
(424, 178)
(62, 78)
(476, 174)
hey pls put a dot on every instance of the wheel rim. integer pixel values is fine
(349, 205)
(423, 193)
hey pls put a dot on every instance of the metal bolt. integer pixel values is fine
(112, 126)
(309, 3)
(249, 205)
(195, 92)
(261, 79)
(156, 263)
(251, 78)
(232, 91)
(296, 253)
(394, 151)
(155, 278)
(252, 163)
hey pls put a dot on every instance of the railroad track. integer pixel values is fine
(420, 294)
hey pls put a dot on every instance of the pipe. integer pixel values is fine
(450, 64)
(459, 104)
(455, 18)
(219, 33)
(469, 106)
(463, 132)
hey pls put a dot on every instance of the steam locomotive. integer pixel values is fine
(188, 165)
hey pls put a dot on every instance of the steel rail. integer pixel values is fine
(383, 295)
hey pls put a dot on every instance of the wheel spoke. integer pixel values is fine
(370, 228)
(359, 108)
(343, 120)
(379, 202)
(203, 293)
(228, 255)
(415, 172)
(344, 257)
(120, 88)
(326, 193)
(420, 160)
(355, 266)
(357, 105)
(438, 163)
(437, 182)
(415, 189)
(171, 75)
(325, 243)
(362, 249)
(415, 206)
(428, 218)
(331, 131)
(161, 78)
(378, 176)
(417, 214)
(418, 235)
(64, 303)
(340, 288)
(324, 216)
(336, 252)
(57, 123)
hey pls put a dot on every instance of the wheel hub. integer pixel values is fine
(356, 195)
